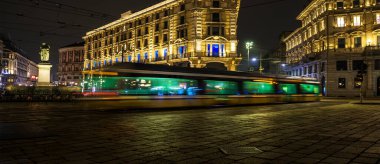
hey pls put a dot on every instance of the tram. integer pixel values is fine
(155, 85)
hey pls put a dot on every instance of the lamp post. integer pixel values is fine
(248, 46)
(261, 68)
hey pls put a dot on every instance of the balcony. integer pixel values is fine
(372, 51)
(349, 50)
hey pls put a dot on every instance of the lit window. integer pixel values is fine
(322, 25)
(138, 58)
(315, 29)
(182, 51)
(156, 55)
(378, 18)
(342, 83)
(165, 52)
(357, 20)
(340, 21)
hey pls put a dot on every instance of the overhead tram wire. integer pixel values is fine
(25, 24)
(51, 9)
(81, 9)
(40, 33)
(103, 14)
(262, 4)
(44, 20)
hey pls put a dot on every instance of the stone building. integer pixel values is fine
(275, 61)
(174, 32)
(336, 39)
(70, 66)
(16, 68)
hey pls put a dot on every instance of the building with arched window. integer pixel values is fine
(172, 32)
(337, 39)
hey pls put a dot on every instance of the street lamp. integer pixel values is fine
(248, 46)
(261, 68)
(273, 60)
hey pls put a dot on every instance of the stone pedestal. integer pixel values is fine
(44, 74)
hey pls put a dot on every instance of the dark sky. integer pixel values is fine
(261, 24)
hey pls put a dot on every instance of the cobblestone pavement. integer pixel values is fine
(326, 132)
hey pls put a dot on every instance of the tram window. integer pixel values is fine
(309, 89)
(146, 85)
(258, 88)
(288, 88)
(220, 87)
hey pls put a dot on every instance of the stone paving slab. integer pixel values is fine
(323, 132)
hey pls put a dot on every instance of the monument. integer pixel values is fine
(44, 66)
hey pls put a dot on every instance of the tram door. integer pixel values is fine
(378, 86)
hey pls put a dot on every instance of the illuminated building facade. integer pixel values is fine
(191, 33)
(336, 38)
(70, 66)
(16, 68)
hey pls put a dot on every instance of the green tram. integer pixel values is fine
(157, 82)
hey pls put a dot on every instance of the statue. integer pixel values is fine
(44, 52)
(44, 68)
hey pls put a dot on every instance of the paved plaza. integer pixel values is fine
(322, 132)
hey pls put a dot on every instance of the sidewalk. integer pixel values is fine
(353, 100)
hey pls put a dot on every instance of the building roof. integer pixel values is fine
(129, 15)
(312, 4)
(77, 44)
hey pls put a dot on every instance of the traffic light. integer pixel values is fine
(358, 81)
(359, 77)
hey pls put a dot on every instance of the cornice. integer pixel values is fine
(306, 11)
(132, 16)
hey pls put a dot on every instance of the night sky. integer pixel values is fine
(30, 22)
